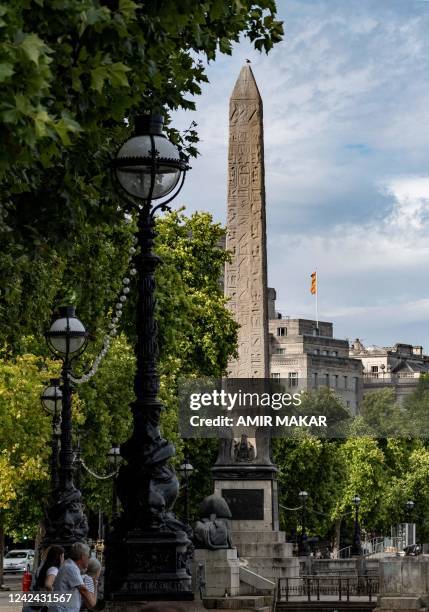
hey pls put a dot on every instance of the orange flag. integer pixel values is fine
(313, 283)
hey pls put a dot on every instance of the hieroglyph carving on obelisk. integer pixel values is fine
(246, 275)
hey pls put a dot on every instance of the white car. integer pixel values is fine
(16, 561)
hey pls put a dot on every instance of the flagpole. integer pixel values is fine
(317, 300)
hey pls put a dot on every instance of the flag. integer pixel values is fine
(313, 283)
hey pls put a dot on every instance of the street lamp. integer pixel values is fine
(303, 496)
(356, 546)
(409, 506)
(51, 399)
(114, 456)
(185, 470)
(65, 522)
(147, 550)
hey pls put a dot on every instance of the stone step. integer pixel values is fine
(395, 608)
(263, 549)
(402, 602)
(250, 537)
(239, 603)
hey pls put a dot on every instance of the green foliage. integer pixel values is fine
(24, 440)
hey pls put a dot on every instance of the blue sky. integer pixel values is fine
(346, 115)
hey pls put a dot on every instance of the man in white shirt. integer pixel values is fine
(69, 580)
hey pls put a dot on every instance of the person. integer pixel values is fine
(49, 568)
(90, 579)
(69, 580)
(44, 577)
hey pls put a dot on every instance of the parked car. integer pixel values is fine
(18, 561)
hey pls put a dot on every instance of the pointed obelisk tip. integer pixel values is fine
(245, 87)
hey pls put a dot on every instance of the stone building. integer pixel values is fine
(398, 367)
(306, 354)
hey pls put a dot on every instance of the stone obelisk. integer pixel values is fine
(244, 473)
(246, 274)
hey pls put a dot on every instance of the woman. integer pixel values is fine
(45, 575)
(48, 569)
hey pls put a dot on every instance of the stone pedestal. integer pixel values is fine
(220, 570)
(148, 566)
(404, 585)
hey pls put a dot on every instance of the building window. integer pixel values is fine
(281, 331)
(356, 383)
(345, 382)
(335, 380)
(316, 331)
(275, 375)
(327, 380)
(334, 353)
(315, 380)
(293, 379)
(374, 369)
(348, 404)
(324, 352)
(316, 351)
(280, 351)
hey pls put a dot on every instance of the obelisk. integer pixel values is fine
(244, 473)
(246, 274)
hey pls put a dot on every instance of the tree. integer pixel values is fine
(70, 73)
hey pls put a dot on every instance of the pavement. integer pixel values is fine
(13, 582)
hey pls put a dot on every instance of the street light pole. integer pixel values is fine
(357, 546)
(51, 399)
(65, 522)
(147, 551)
(186, 470)
(303, 496)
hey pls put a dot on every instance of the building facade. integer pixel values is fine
(306, 354)
(398, 367)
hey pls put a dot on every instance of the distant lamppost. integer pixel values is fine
(51, 399)
(65, 522)
(409, 506)
(303, 496)
(147, 550)
(185, 470)
(357, 546)
(114, 456)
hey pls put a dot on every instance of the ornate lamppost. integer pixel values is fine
(65, 522)
(356, 546)
(147, 549)
(52, 399)
(303, 496)
(185, 470)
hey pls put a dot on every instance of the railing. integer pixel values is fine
(344, 553)
(380, 378)
(327, 588)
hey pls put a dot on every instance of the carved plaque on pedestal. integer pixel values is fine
(245, 504)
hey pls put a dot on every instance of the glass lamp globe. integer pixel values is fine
(186, 468)
(114, 454)
(356, 500)
(52, 397)
(303, 495)
(148, 166)
(67, 335)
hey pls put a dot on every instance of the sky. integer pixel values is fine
(346, 120)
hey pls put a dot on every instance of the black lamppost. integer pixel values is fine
(185, 470)
(356, 546)
(114, 455)
(147, 550)
(303, 496)
(51, 399)
(409, 506)
(65, 522)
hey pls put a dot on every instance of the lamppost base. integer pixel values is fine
(148, 566)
